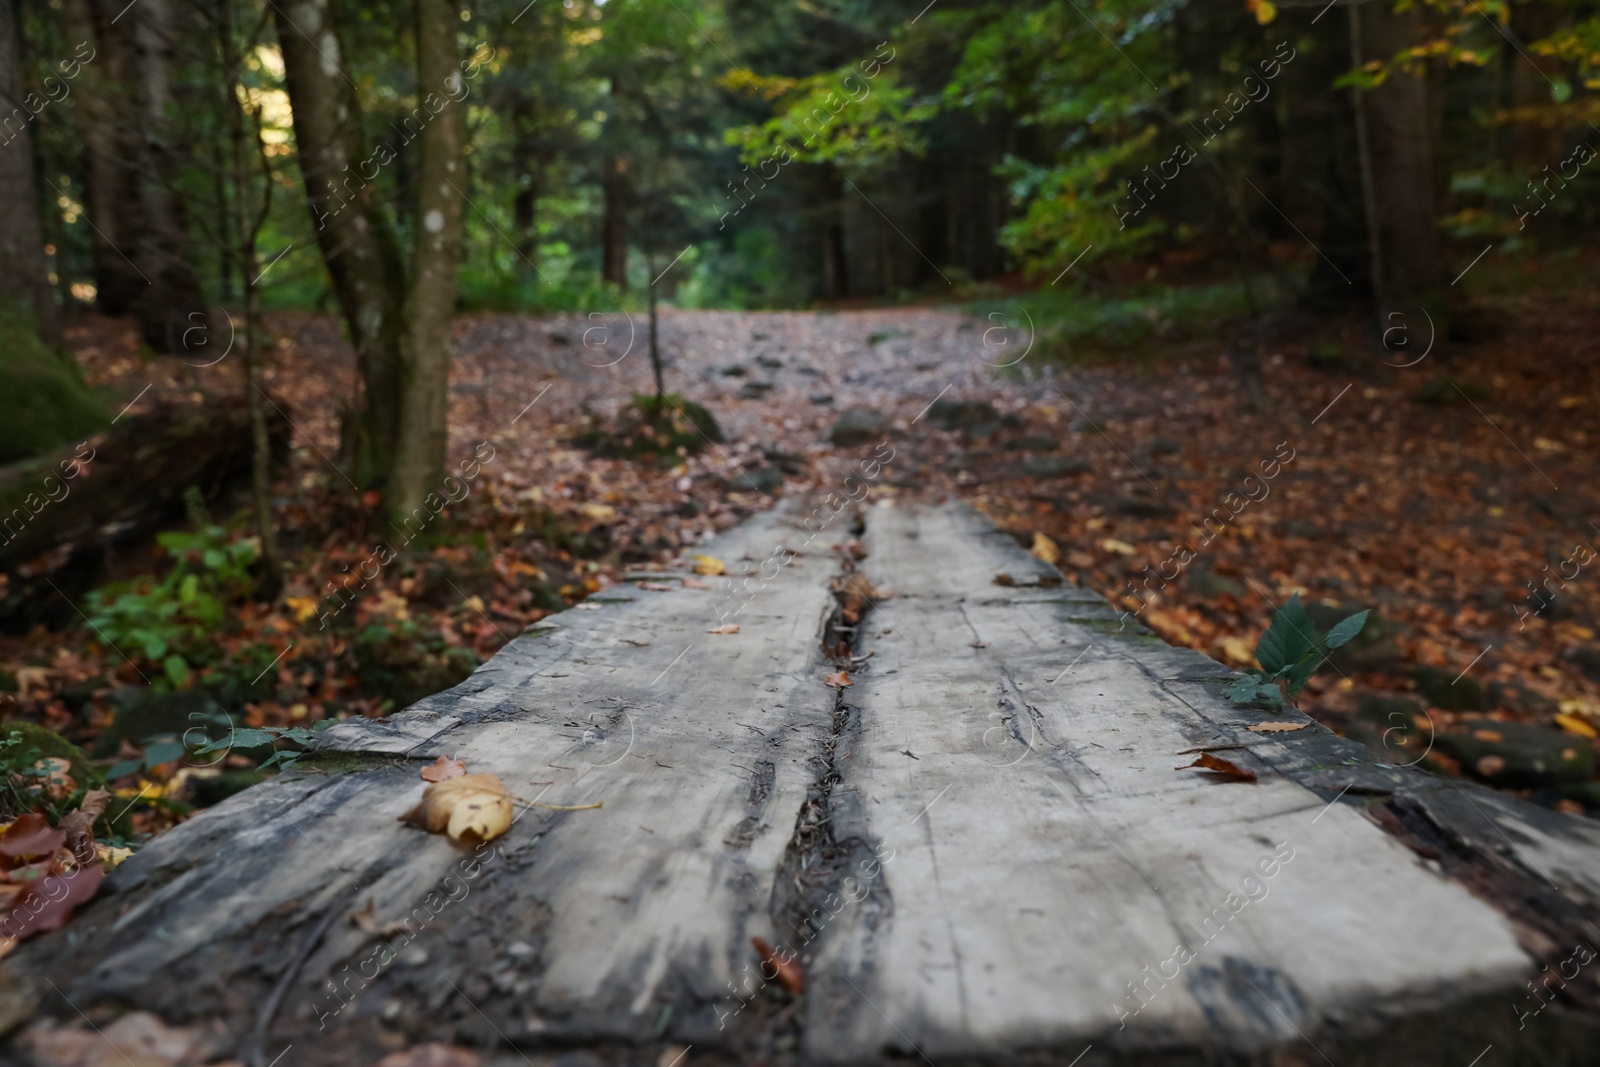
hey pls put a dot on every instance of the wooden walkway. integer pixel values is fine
(979, 851)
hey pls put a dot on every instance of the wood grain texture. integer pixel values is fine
(988, 830)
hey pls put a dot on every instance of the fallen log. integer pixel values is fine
(974, 846)
(62, 513)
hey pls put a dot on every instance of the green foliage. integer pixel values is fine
(43, 402)
(265, 740)
(1065, 319)
(172, 624)
(838, 116)
(1289, 652)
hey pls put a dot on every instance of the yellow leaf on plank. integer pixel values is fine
(1276, 727)
(704, 564)
(471, 807)
(1046, 549)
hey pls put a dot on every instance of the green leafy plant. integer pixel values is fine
(1289, 652)
(269, 737)
(172, 623)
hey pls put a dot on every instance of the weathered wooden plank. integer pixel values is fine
(1057, 883)
(581, 926)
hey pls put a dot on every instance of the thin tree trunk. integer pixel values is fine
(245, 232)
(424, 409)
(358, 245)
(1535, 146)
(170, 306)
(22, 268)
(614, 224)
(1399, 120)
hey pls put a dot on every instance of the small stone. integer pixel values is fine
(821, 398)
(733, 370)
(755, 390)
(855, 426)
(959, 414)
(1054, 466)
(769, 362)
(759, 480)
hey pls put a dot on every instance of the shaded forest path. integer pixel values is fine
(977, 848)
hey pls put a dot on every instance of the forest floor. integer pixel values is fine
(1433, 493)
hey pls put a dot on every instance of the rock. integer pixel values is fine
(146, 713)
(1517, 756)
(769, 362)
(733, 370)
(961, 414)
(1520, 699)
(1054, 466)
(1586, 658)
(1444, 690)
(758, 480)
(1033, 444)
(756, 390)
(1374, 649)
(855, 426)
(1205, 582)
(821, 398)
(1141, 506)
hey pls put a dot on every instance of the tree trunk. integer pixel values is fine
(525, 205)
(110, 128)
(170, 306)
(358, 245)
(22, 273)
(1534, 146)
(835, 280)
(1399, 120)
(614, 226)
(425, 400)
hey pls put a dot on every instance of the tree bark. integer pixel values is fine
(614, 225)
(1534, 146)
(358, 245)
(170, 306)
(425, 400)
(22, 270)
(110, 129)
(1400, 134)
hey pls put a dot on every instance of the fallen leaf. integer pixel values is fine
(1229, 771)
(1489, 766)
(1120, 548)
(432, 1055)
(30, 835)
(443, 769)
(695, 583)
(603, 513)
(838, 680)
(79, 825)
(303, 607)
(111, 855)
(48, 903)
(727, 628)
(656, 587)
(1576, 725)
(474, 806)
(708, 565)
(1276, 727)
(1045, 549)
(57, 775)
(788, 973)
(1004, 579)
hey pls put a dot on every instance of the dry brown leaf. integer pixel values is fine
(788, 972)
(30, 835)
(57, 774)
(1231, 772)
(433, 1055)
(79, 825)
(838, 680)
(443, 769)
(695, 583)
(471, 807)
(656, 587)
(1046, 549)
(1276, 727)
(727, 628)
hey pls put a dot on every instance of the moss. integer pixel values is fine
(344, 762)
(43, 401)
(48, 743)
